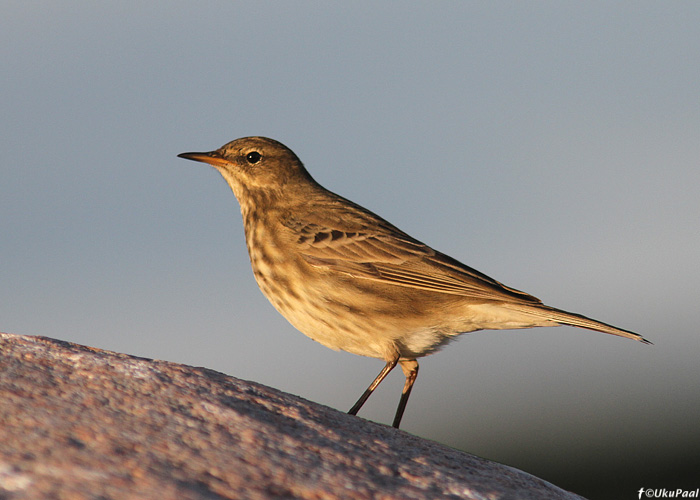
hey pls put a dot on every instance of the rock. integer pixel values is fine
(83, 423)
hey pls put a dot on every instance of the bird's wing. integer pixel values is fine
(361, 244)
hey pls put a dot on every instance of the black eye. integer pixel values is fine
(253, 157)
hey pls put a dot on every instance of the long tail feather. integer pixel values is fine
(577, 320)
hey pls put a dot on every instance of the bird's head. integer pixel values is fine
(253, 165)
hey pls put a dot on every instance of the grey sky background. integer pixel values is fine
(553, 146)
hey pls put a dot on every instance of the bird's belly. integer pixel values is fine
(355, 316)
(324, 316)
(340, 313)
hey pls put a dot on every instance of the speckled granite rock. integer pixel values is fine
(83, 423)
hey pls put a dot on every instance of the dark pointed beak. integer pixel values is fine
(212, 158)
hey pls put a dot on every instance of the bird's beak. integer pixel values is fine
(213, 158)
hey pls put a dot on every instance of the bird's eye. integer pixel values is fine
(253, 157)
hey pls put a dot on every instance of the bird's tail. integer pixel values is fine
(573, 319)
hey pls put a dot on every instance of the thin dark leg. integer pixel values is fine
(410, 369)
(382, 374)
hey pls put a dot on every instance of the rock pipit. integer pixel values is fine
(351, 280)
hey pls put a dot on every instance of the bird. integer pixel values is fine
(352, 281)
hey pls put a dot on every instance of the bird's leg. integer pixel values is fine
(382, 374)
(410, 369)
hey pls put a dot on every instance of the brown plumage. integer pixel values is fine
(351, 280)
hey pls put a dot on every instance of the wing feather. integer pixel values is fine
(363, 245)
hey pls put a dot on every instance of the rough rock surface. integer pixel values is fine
(83, 423)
